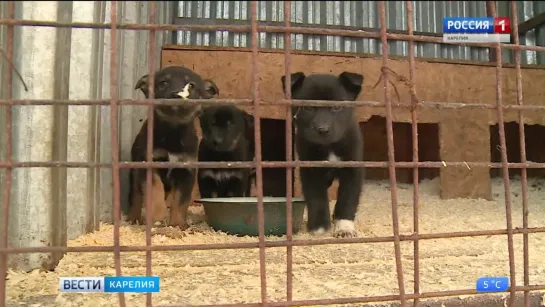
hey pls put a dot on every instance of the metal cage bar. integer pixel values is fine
(115, 143)
(289, 153)
(258, 156)
(272, 164)
(6, 199)
(505, 168)
(414, 131)
(149, 144)
(247, 29)
(524, 171)
(391, 156)
(290, 163)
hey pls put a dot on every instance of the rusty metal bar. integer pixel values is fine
(524, 171)
(505, 168)
(6, 199)
(115, 142)
(149, 144)
(261, 23)
(391, 156)
(258, 157)
(106, 102)
(273, 164)
(289, 154)
(248, 29)
(295, 102)
(283, 243)
(414, 130)
(492, 57)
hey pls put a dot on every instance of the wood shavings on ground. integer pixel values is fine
(319, 272)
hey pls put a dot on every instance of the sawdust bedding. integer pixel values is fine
(330, 271)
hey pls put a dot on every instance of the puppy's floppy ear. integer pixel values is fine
(143, 85)
(296, 81)
(210, 88)
(352, 82)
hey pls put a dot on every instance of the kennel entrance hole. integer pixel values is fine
(273, 148)
(535, 146)
(376, 148)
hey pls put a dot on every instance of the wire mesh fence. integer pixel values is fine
(403, 297)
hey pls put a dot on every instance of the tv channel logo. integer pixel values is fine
(110, 284)
(477, 25)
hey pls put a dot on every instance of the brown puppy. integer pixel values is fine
(174, 140)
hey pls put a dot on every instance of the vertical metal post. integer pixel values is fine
(524, 170)
(149, 144)
(6, 199)
(414, 130)
(258, 156)
(391, 155)
(505, 167)
(289, 153)
(115, 142)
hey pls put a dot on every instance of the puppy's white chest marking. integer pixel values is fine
(176, 157)
(160, 154)
(221, 175)
(185, 92)
(172, 157)
(333, 157)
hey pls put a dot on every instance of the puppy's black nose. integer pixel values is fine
(324, 130)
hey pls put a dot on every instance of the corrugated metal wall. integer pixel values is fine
(428, 17)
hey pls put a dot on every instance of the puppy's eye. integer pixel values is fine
(163, 84)
(336, 108)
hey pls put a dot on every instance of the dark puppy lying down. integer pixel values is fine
(225, 132)
(174, 139)
(328, 133)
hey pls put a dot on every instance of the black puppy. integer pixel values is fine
(328, 133)
(225, 138)
(174, 139)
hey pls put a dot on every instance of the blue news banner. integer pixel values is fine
(147, 284)
(492, 284)
(477, 25)
(110, 284)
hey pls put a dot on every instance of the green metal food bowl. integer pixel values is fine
(238, 215)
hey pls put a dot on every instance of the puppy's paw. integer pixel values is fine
(133, 221)
(318, 232)
(159, 223)
(174, 233)
(179, 225)
(344, 229)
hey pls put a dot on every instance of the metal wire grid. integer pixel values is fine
(289, 164)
